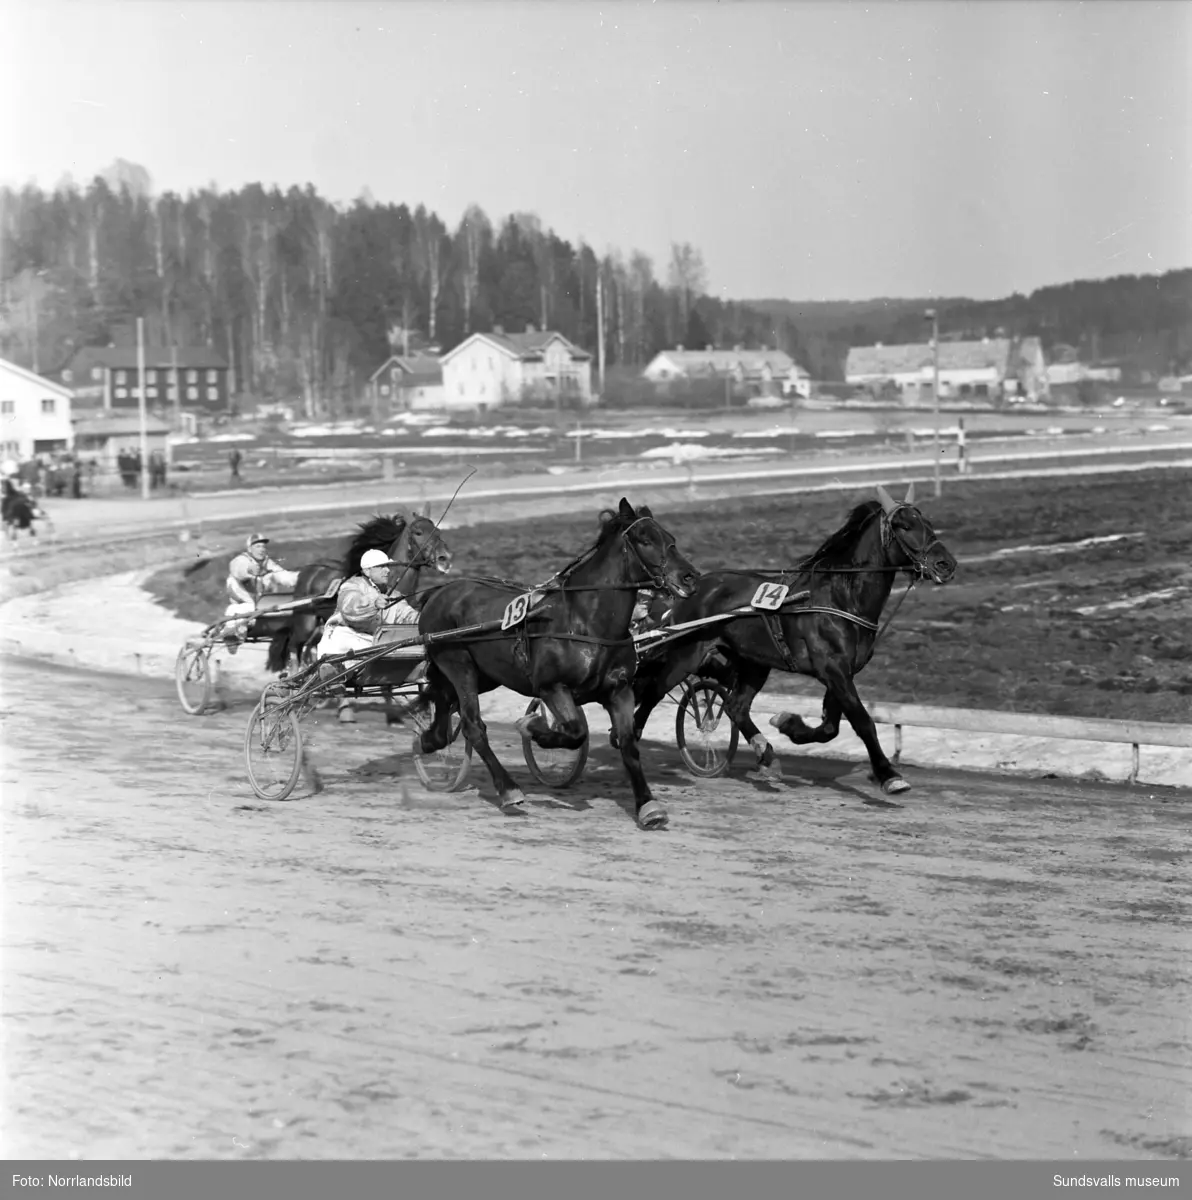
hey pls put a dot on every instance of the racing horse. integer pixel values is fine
(412, 540)
(829, 634)
(568, 643)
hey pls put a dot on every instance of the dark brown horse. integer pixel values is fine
(415, 544)
(829, 634)
(570, 645)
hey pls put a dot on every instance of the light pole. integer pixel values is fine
(932, 316)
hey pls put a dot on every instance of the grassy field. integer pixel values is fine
(1007, 634)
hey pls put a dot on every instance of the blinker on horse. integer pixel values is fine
(831, 635)
(573, 647)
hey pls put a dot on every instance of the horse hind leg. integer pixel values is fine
(569, 733)
(793, 727)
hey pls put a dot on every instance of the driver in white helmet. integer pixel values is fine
(362, 607)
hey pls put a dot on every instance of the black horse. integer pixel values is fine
(572, 647)
(412, 540)
(829, 635)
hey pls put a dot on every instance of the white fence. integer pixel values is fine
(1080, 729)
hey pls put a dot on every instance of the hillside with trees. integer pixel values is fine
(304, 297)
(1143, 322)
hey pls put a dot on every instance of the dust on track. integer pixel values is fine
(992, 968)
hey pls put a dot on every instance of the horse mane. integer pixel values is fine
(840, 545)
(377, 533)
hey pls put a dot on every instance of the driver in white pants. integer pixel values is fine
(362, 608)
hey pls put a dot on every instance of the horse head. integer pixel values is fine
(908, 535)
(420, 546)
(652, 548)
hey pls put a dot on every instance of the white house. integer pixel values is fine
(764, 371)
(488, 370)
(989, 367)
(34, 414)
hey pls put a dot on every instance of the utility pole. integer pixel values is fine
(141, 405)
(599, 330)
(933, 316)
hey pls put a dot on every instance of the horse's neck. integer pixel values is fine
(864, 592)
(608, 568)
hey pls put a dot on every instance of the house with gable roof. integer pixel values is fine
(488, 370)
(985, 369)
(407, 383)
(762, 372)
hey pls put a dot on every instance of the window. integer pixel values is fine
(121, 393)
(212, 376)
(13, 448)
(192, 393)
(212, 393)
(151, 393)
(8, 406)
(122, 377)
(150, 375)
(47, 406)
(192, 376)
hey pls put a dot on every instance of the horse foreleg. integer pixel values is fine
(462, 674)
(650, 814)
(792, 726)
(651, 685)
(570, 730)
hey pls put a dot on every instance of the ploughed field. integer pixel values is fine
(1074, 595)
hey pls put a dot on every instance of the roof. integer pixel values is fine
(418, 370)
(954, 356)
(33, 377)
(156, 357)
(526, 346)
(117, 426)
(721, 361)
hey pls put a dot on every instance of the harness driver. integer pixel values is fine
(252, 574)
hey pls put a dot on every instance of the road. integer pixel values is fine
(128, 515)
(797, 969)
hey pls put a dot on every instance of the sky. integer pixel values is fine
(815, 151)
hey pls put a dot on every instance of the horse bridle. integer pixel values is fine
(657, 574)
(419, 556)
(918, 558)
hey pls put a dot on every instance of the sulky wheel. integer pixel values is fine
(445, 770)
(193, 676)
(706, 734)
(556, 767)
(273, 750)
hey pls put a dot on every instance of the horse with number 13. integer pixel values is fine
(567, 642)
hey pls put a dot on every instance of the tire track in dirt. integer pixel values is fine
(993, 968)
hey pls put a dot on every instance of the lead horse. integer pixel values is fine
(412, 541)
(831, 637)
(570, 645)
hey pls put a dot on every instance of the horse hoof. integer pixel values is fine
(521, 726)
(316, 782)
(896, 786)
(652, 816)
(613, 742)
(513, 803)
(779, 718)
(347, 716)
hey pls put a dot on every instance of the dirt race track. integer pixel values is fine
(992, 968)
